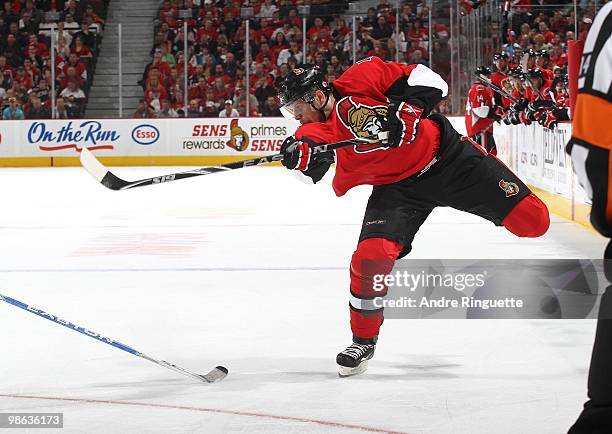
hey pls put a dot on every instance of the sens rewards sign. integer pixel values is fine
(244, 135)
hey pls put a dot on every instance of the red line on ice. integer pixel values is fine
(209, 410)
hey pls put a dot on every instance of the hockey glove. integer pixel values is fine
(548, 120)
(496, 113)
(401, 123)
(299, 155)
(524, 117)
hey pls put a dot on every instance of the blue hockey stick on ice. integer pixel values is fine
(216, 374)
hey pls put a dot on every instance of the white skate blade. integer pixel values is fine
(344, 371)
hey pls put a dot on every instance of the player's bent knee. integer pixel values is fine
(373, 256)
(529, 218)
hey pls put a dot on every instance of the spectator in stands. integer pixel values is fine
(90, 14)
(167, 111)
(370, 20)
(69, 23)
(382, 30)
(264, 51)
(193, 111)
(391, 52)
(80, 49)
(71, 74)
(240, 102)
(62, 32)
(25, 80)
(210, 110)
(154, 99)
(80, 69)
(6, 71)
(35, 15)
(60, 109)
(160, 67)
(41, 47)
(315, 30)
(270, 107)
(230, 65)
(72, 10)
(198, 91)
(263, 89)
(74, 97)
(221, 91)
(417, 58)
(539, 43)
(12, 50)
(293, 51)
(88, 38)
(26, 25)
(62, 49)
(340, 30)
(37, 110)
(44, 92)
(143, 111)
(36, 60)
(8, 13)
(229, 111)
(220, 73)
(377, 50)
(13, 111)
(32, 71)
(267, 9)
(166, 56)
(279, 43)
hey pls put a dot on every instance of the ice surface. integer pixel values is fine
(248, 269)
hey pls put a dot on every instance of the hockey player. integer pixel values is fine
(590, 148)
(480, 113)
(424, 164)
(542, 58)
(500, 79)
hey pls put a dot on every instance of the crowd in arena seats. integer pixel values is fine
(26, 29)
(216, 50)
(217, 33)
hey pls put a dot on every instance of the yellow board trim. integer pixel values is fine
(563, 207)
(25, 162)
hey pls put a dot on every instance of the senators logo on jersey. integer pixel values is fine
(510, 188)
(239, 139)
(362, 121)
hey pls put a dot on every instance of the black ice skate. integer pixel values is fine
(354, 360)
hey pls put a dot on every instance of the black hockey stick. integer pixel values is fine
(496, 88)
(112, 181)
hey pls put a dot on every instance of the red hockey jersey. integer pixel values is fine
(503, 81)
(478, 107)
(364, 91)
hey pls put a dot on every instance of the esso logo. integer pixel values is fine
(145, 134)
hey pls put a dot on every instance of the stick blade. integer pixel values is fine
(217, 374)
(100, 172)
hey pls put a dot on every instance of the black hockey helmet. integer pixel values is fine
(483, 70)
(530, 52)
(542, 53)
(501, 56)
(515, 72)
(534, 73)
(301, 84)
